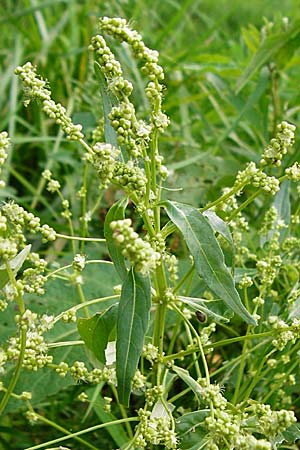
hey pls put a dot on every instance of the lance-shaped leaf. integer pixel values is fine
(133, 319)
(282, 204)
(269, 49)
(192, 430)
(15, 265)
(221, 227)
(193, 384)
(109, 133)
(216, 309)
(116, 212)
(95, 331)
(207, 253)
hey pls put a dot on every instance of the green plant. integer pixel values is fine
(156, 358)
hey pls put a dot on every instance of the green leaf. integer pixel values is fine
(109, 133)
(283, 206)
(208, 256)
(216, 309)
(191, 431)
(219, 226)
(292, 433)
(15, 264)
(133, 319)
(116, 212)
(60, 295)
(116, 431)
(267, 51)
(186, 377)
(95, 331)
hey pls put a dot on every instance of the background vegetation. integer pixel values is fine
(217, 123)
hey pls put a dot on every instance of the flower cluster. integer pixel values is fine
(33, 280)
(4, 147)
(119, 29)
(293, 172)
(138, 381)
(80, 373)
(139, 252)
(151, 353)
(131, 178)
(17, 220)
(155, 431)
(36, 88)
(279, 145)
(285, 333)
(267, 269)
(36, 351)
(79, 262)
(128, 176)
(255, 176)
(271, 423)
(103, 158)
(53, 185)
(130, 132)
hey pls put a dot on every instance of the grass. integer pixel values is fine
(205, 48)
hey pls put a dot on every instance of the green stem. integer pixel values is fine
(257, 376)
(184, 279)
(243, 356)
(79, 238)
(79, 433)
(200, 346)
(174, 335)
(69, 266)
(84, 227)
(229, 341)
(271, 391)
(194, 356)
(87, 303)
(179, 395)
(123, 412)
(23, 333)
(275, 97)
(39, 189)
(82, 300)
(241, 369)
(64, 430)
(63, 344)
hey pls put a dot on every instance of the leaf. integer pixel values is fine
(283, 206)
(212, 308)
(186, 377)
(133, 319)
(191, 431)
(267, 52)
(292, 433)
(239, 273)
(208, 256)
(60, 295)
(95, 331)
(219, 226)
(116, 431)
(116, 212)
(15, 264)
(109, 133)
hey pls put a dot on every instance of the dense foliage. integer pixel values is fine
(149, 228)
